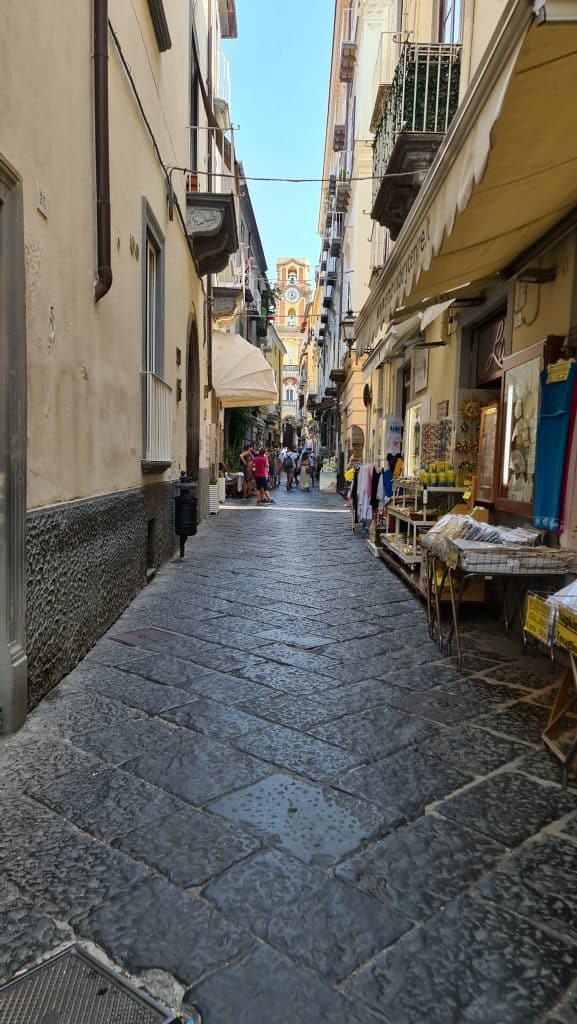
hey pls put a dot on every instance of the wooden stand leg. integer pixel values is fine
(565, 700)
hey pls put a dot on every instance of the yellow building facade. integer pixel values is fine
(293, 295)
(475, 290)
(106, 328)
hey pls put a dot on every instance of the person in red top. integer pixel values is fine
(261, 476)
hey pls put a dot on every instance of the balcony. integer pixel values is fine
(348, 61)
(228, 291)
(337, 230)
(211, 228)
(331, 276)
(343, 193)
(418, 110)
(339, 137)
(157, 432)
(289, 406)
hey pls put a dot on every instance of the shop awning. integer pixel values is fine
(505, 174)
(397, 336)
(241, 375)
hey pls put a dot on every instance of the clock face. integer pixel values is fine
(292, 294)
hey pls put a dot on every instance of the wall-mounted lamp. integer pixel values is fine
(348, 330)
(537, 275)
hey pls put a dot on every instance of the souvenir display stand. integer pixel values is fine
(554, 622)
(460, 550)
(408, 517)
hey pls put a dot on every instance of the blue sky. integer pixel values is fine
(280, 66)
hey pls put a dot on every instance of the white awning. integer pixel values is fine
(241, 375)
(397, 336)
(432, 312)
(505, 174)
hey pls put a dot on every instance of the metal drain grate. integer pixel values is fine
(74, 988)
(142, 636)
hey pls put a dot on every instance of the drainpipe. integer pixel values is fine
(102, 146)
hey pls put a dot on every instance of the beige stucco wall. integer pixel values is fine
(84, 360)
(480, 18)
(542, 309)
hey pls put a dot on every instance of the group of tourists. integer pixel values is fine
(302, 468)
(262, 470)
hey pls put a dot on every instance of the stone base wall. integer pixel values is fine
(86, 560)
(202, 494)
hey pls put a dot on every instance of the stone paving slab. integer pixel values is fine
(472, 750)
(188, 846)
(375, 733)
(508, 807)
(123, 740)
(139, 929)
(470, 963)
(105, 802)
(197, 768)
(404, 783)
(302, 754)
(538, 883)
(25, 936)
(213, 719)
(267, 987)
(322, 922)
(319, 826)
(418, 869)
(65, 876)
(283, 709)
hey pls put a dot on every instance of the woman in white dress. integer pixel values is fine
(305, 474)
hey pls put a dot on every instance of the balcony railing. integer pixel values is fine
(289, 406)
(421, 103)
(157, 421)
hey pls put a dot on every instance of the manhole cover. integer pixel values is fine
(73, 988)
(142, 636)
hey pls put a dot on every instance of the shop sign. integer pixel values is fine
(393, 436)
(558, 372)
(539, 619)
(566, 638)
(568, 617)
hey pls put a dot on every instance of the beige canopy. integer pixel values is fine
(506, 173)
(241, 375)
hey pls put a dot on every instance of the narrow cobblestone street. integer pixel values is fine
(266, 795)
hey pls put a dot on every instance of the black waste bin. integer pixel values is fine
(185, 511)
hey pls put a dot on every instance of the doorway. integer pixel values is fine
(13, 662)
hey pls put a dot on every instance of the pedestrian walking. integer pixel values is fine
(298, 461)
(305, 474)
(246, 460)
(261, 478)
(312, 465)
(289, 467)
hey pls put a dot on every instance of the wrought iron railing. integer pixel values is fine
(423, 98)
(158, 419)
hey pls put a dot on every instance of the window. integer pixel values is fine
(156, 394)
(291, 318)
(450, 16)
(292, 277)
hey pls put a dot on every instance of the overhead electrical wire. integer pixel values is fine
(292, 181)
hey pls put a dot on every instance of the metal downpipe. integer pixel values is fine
(102, 145)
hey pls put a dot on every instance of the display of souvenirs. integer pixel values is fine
(467, 445)
(437, 441)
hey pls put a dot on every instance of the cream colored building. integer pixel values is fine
(363, 38)
(293, 291)
(107, 257)
(478, 291)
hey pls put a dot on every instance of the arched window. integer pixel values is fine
(291, 318)
(292, 276)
